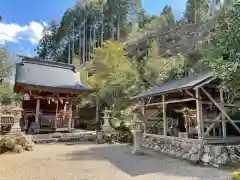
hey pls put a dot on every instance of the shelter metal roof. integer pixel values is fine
(48, 74)
(183, 83)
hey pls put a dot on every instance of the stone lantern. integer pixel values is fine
(26, 97)
(137, 135)
(106, 128)
(16, 129)
(106, 117)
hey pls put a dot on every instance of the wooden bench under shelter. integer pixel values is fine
(48, 89)
(209, 112)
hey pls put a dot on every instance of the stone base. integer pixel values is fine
(15, 130)
(192, 150)
(100, 138)
(106, 128)
(137, 152)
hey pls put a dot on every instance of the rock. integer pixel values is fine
(1, 141)
(159, 141)
(178, 147)
(217, 150)
(205, 164)
(29, 146)
(196, 145)
(234, 158)
(161, 146)
(230, 148)
(17, 148)
(216, 165)
(9, 143)
(179, 154)
(157, 148)
(218, 160)
(91, 138)
(194, 158)
(194, 150)
(186, 156)
(22, 139)
(186, 147)
(145, 145)
(225, 158)
(206, 158)
(57, 135)
(238, 148)
(207, 148)
(151, 146)
(224, 149)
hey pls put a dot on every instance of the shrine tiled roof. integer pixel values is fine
(49, 74)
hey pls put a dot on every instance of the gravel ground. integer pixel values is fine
(85, 161)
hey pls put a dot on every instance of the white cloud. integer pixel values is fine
(14, 32)
(44, 23)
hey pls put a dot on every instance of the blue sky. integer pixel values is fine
(23, 20)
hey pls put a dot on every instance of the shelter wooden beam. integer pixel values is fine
(189, 93)
(165, 124)
(172, 101)
(204, 83)
(215, 121)
(209, 129)
(212, 125)
(149, 100)
(222, 111)
(225, 104)
(232, 105)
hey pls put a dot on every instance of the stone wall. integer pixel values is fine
(193, 150)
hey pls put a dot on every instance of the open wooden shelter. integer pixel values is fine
(194, 107)
(48, 89)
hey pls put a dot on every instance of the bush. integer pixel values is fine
(236, 175)
(15, 143)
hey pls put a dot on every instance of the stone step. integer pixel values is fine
(43, 141)
(63, 137)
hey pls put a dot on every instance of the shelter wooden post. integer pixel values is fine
(144, 117)
(73, 122)
(97, 115)
(37, 114)
(70, 115)
(165, 124)
(224, 133)
(199, 115)
(56, 118)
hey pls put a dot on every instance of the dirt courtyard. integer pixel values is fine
(88, 161)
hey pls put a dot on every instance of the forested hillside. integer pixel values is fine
(121, 50)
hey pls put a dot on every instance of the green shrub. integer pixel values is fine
(236, 175)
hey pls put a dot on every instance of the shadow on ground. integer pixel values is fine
(122, 158)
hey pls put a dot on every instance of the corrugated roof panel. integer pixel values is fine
(183, 83)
